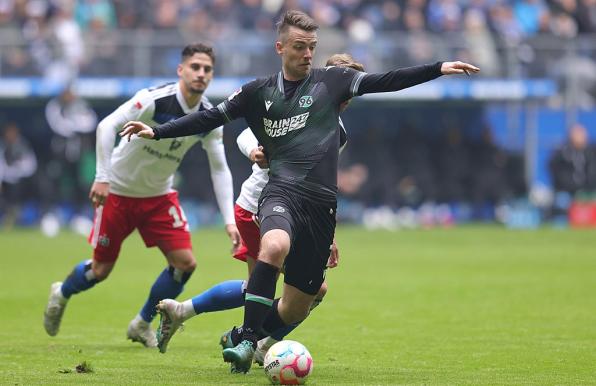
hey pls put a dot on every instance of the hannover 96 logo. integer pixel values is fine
(305, 101)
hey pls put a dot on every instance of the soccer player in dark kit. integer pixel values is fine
(294, 116)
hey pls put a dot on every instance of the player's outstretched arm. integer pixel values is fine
(403, 78)
(191, 124)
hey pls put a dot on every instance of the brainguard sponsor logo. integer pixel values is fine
(282, 127)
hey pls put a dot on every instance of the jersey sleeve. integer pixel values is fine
(247, 142)
(221, 177)
(139, 108)
(239, 103)
(343, 81)
(196, 123)
(397, 79)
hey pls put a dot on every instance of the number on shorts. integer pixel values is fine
(179, 218)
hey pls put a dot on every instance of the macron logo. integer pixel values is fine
(268, 104)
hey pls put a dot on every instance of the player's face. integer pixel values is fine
(196, 72)
(297, 48)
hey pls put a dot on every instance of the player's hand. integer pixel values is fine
(234, 236)
(257, 156)
(138, 128)
(333, 260)
(451, 68)
(98, 193)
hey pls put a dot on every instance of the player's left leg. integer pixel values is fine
(223, 296)
(163, 225)
(169, 284)
(264, 344)
(260, 292)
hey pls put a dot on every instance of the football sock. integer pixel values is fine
(169, 285)
(273, 321)
(80, 279)
(236, 335)
(259, 297)
(223, 296)
(281, 332)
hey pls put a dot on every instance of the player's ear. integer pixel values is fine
(179, 69)
(279, 47)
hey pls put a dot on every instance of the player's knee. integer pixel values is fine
(101, 271)
(293, 312)
(182, 260)
(298, 314)
(188, 265)
(273, 252)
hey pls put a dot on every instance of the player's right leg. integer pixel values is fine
(276, 229)
(110, 228)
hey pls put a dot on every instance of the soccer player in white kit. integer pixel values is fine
(143, 198)
(175, 313)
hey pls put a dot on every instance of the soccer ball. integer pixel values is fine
(288, 363)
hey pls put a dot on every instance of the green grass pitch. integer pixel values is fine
(471, 305)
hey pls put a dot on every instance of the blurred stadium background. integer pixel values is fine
(470, 305)
(490, 148)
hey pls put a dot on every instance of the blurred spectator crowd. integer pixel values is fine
(506, 19)
(417, 168)
(59, 37)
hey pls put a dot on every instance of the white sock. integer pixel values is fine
(139, 320)
(188, 311)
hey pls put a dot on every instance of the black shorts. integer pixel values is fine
(311, 227)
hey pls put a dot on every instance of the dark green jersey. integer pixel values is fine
(299, 132)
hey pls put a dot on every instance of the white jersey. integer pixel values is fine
(146, 168)
(254, 184)
(252, 188)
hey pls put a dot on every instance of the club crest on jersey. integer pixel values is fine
(305, 101)
(235, 93)
(176, 143)
(103, 241)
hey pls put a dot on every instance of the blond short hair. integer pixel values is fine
(344, 60)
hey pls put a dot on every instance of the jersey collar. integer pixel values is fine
(280, 82)
(182, 101)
